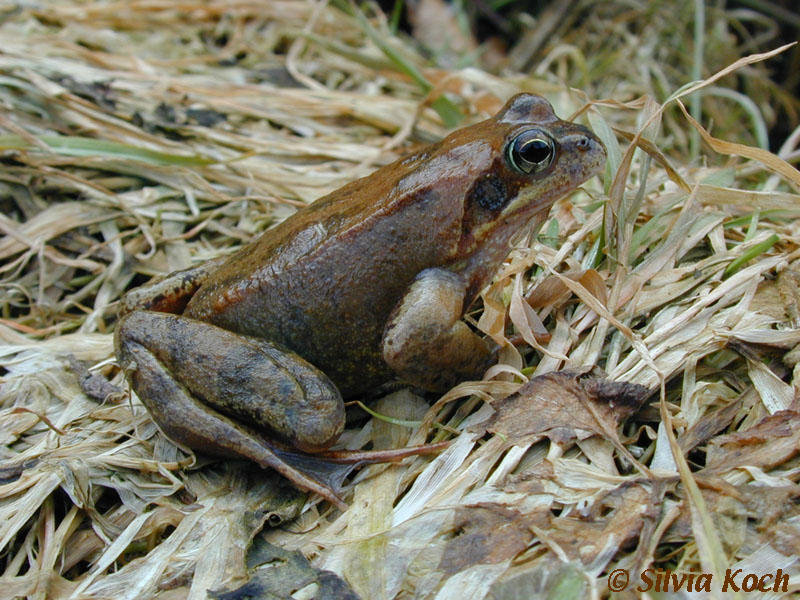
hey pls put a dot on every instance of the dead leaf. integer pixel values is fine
(708, 425)
(788, 285)
(46, 225)
(94, 385)
(754, 515)
(493, 318)
(530, 481)
(772, 441)
(552, 292)
(565, 406)
(765, 157)
(484, 534)
(614, 521)
(279, 573)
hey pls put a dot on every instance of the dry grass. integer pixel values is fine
(137, 138)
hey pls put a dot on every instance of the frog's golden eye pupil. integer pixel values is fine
(531, 152)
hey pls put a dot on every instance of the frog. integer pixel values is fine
(252, 355)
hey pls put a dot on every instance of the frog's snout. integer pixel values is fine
(591, 152)
(585, 143)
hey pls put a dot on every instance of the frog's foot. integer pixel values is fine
(380, 456)
(426, 343)
(201, 384)
(330, 468)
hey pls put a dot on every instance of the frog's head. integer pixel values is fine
(543, 157)
(527, 158)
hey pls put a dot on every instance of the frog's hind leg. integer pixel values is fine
(186, 372)
(172, 293)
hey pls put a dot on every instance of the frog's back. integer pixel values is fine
(324, 282)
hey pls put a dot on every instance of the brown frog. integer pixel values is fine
(250, 355)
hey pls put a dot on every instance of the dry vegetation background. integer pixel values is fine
(141, 137)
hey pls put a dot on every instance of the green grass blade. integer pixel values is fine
(68, 145)
(750, 255)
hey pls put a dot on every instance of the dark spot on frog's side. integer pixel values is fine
(489, 192)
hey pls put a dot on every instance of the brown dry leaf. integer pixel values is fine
(726, 512)
(788, 287)
(708, 425)
(615, 520)
(755, 515)
(778, 298)
(777, 510)
(525, 320)
(551, 291)
(767, 158)
(565, 406)
(484, 534)
(493, 318)
(772, 441)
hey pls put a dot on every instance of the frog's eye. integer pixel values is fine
(531, 151)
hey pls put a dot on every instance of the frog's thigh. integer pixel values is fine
(184, 370)
(425, 341)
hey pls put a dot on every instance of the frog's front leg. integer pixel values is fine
(226, 394)
(426, 342)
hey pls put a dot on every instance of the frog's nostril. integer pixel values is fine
(583, 143)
